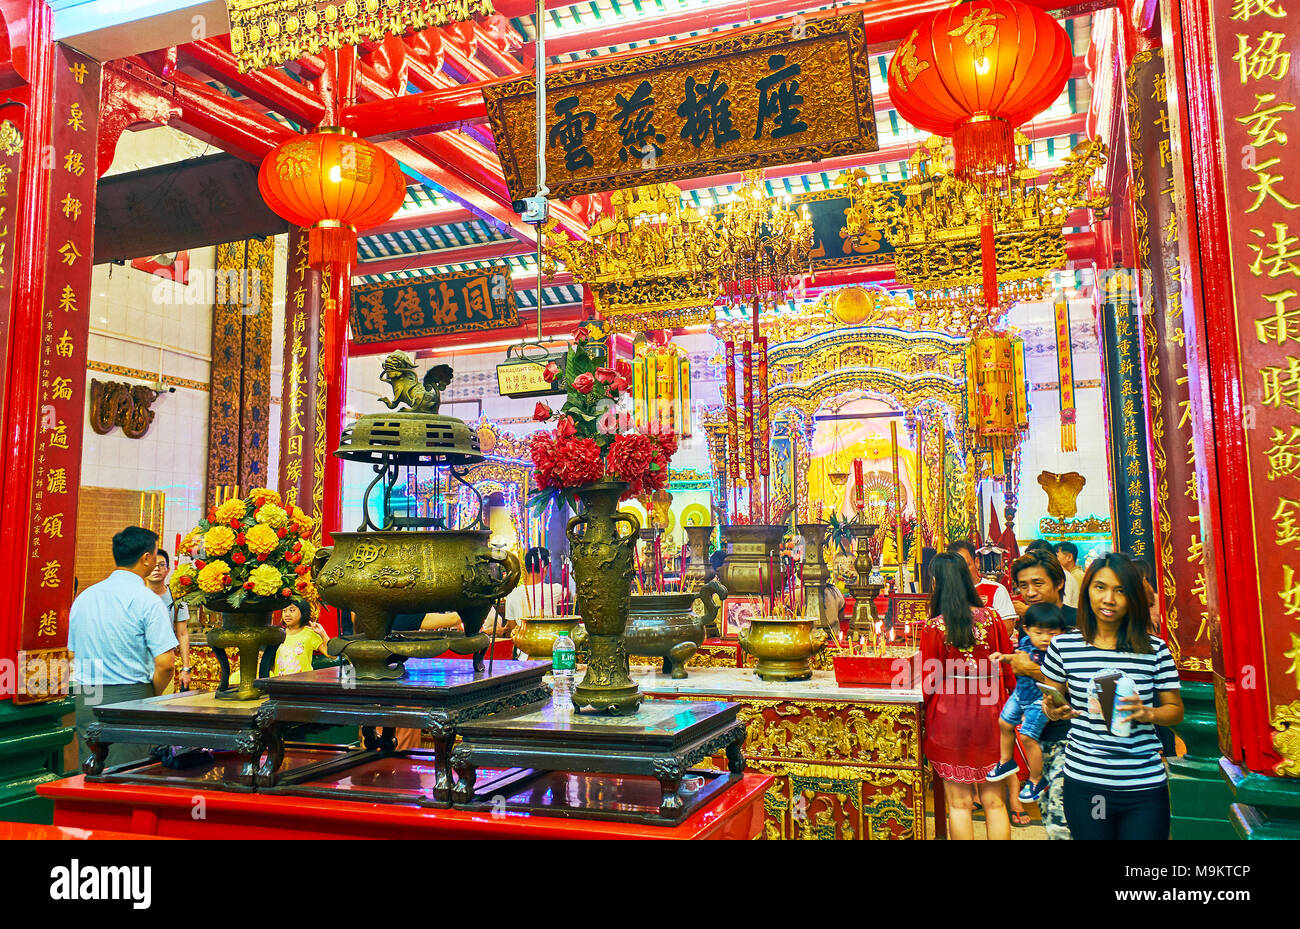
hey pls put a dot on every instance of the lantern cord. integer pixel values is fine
(542, 190)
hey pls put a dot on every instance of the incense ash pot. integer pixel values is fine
(672, 626)
(783, 645)
(753, 557)
(536, 637)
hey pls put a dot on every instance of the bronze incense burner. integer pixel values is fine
(411, 563)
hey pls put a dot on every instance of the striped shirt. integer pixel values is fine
(1093, 755)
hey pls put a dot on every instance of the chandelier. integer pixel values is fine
(756, 249)
(640, 262)
(933, 220)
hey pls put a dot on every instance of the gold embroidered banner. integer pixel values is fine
(271, 32)
(1065, 376)
(799, 93)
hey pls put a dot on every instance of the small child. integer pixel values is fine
(1042, 622)
(302, 639)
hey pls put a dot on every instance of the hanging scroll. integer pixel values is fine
(1065, 375)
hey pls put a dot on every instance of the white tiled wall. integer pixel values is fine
(143, 322)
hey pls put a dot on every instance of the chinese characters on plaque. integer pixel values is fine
(437, 304)
(781, 96)
(1126, 413)
(1179, 555)
(302, 410)
(56, 469)
(1259, 95)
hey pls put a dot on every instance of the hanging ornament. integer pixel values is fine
(976, 71)
(333, 183)
(1065, 376)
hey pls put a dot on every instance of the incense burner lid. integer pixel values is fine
(410, 439)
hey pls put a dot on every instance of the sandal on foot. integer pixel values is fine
(1020, 819)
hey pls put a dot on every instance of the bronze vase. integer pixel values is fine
(248, 629)
(699, 570)
(602, 572)
(816, 575)
(753, 566)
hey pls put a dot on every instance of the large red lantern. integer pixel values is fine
(975, 72)
(334, 184)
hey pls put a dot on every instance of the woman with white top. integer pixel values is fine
(1116, 786)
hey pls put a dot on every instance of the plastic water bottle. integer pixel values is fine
(563, 664)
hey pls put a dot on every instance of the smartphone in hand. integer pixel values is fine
(1051, 693)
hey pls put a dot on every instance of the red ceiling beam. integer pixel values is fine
(210, 115)
(269, 87)
(417, 114)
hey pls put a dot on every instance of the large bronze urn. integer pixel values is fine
(753, 563)
(249, 630)
(698, 570)
(406, 563)
(602, 571)
(672, 626)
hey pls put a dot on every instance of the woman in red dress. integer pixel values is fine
(964, 692)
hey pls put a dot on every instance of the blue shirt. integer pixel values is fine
(1027, 691)
(116, 629)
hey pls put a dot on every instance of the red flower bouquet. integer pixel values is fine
(586, 445)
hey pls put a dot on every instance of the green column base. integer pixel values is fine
(32, 739)
(1266, 807)
(1198, 797)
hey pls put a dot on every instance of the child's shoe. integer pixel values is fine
(1031, 790)
(1003, 771)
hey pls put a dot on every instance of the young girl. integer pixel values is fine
(1119, 775)
(302, 639)
(964, 692)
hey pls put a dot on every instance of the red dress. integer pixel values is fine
(964, 692)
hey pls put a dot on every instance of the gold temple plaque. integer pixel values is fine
(781, 96)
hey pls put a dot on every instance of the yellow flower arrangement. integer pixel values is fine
(212, 579)
(272, 515)
(265, 580)
(233, 508)
(263, 495)
(183, 579)
(187, 543)
(308, 551)
(261, 539)
(217, 541)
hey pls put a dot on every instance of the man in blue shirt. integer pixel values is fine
(121, 639)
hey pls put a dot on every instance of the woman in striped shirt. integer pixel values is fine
(1115, 785)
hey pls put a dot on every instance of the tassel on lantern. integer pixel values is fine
(984, 147)
(331, 243)
(989, 264)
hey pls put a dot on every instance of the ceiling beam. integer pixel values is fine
(270, 87)
(448, 215)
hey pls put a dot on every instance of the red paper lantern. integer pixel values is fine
(334, 184)
(975, 72)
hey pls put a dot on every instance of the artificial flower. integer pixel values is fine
(541, 412)
(238, 557)
(619, 384)
(182, 578)
(541, 448)
(265, 580)
(577, 462)
(581, 334)
(583, 383)
(550, 372)
(605, 375)
(263, 495)
(218, 540)
(630, 457)
(307, 552)
(213, 577)
(565, 427)
(262, 540)
(272, 515)
(232, 509)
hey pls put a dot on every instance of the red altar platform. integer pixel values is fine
(737, 813)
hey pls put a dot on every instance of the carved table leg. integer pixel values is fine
(273, 738)
(442, 785)
(98, 750)
(248, 747)
(466, 775)
(669, 773)
(735, 754)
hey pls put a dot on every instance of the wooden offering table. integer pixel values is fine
(733, 813)
(846, 761)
